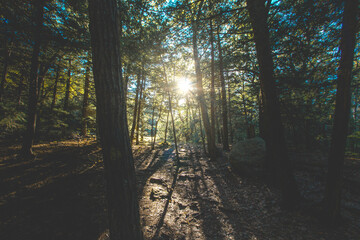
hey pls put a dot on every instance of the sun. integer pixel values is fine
(183, 85)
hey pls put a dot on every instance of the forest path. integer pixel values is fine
(201, 199)
(61, 195)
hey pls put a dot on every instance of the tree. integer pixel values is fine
(26, 150)
(112, 121)
(85, 102)
(223, 96)
(199, 84)
(277, 161)
(333, 189)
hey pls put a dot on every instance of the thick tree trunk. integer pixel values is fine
(225, 132)
(67, 90)
(124, 221)
(200, 96)
(85, 102)
(135, 108)
(26, 150)
(342, 111)
(278, 164)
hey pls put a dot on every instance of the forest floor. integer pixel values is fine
(61, 195)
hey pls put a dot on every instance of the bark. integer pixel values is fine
(135, 108)
(124, 221)
(152, 119)
(166, 126)
(218, 126)
(334, 182)
(212, 91)
(139, 109)
(171, 113)
(202, 132)
(225, 132)
(278, 167)
(53, 102)
(67, 90)
(156, 126)
(85, 102)
(260, 99)
(200, 96)
(26, 150)
(231, 135)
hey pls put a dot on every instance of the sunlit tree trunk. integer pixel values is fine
(334, 182)
(135, 107)
(38, 8)
(156, 126)
(152, 119)
(278, 166)
(200, 96)
(139, 109)
(124, 220)
(202, 132)
(166, 126)
(85, 102)
(225, 132)
(171, 112)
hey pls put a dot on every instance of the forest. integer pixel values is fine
(179, 119)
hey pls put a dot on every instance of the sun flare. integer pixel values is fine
(184, 85)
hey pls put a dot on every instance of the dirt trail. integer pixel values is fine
(60, 195)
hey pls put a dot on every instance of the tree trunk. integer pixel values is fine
(212, 91)
(225, 132)
(202, 132)
(277, 164)
(85, 102)
(139, 109)
(260, 99)
(124, 220)
(166, 126)
(201, 98)
(342, 110)
(231, 135)
(67, 90)
(152, 119)
(53, 102)
(156, 126)
(26, 150)
(171, 113)
(135, 108)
